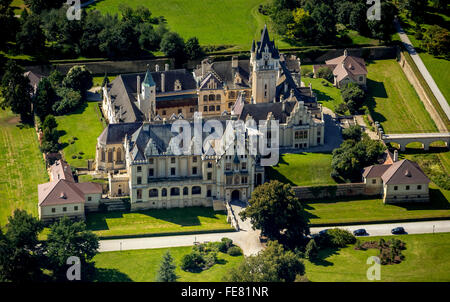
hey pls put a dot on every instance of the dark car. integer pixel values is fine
(398, 230)
(323, 232)
(359, 232)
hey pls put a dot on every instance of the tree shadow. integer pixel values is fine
(180, 216)
(274, 174)
(323, 254)
(109, 275)
(375, 89)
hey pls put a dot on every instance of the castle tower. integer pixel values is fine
(265, 63)
(147, 96)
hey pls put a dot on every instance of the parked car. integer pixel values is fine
(323, 232)
(360, 232)
(398, 230)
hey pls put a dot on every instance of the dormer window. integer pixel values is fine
(177, 86)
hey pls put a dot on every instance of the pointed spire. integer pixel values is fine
(148, 80)
(265, 36)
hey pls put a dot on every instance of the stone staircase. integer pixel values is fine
(115, 205)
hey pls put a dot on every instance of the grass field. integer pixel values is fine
(85, 125)
(213, 22)
(194, 219)
(22, 167)
(329, 96)
(393, 101)
(303, 169)
(143, 265)
(439, 68)
(427, 259)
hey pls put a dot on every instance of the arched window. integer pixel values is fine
(211, 108)
(196, 190)
(119, 154)
(110, 156)
(218, 98)
(103, 154)
(174, 192)
(185, 191)
(211, 97)
(152, 193)
(205, 98)
(164, 192)
(231, 95)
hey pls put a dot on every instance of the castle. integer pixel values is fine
(136, 150)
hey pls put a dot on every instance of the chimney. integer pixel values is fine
(138, 88)
(167, 67)
(283, 106)
(156, 67)
(310, 88)
(234, 62)
(395, 156)
(163, 82)
(345, 53)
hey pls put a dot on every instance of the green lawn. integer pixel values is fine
(427, 259)
(143, 265)
(22, 167)
(213, 22)
(393, 101)
(193, 219)
(303, 169)
(85, 125)
(329, 96)
(98, 80)
(439, 68)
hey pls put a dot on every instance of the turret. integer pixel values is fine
(147, 97)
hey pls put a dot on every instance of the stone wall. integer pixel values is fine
(332, 191)
(100, 67)
(424, 97)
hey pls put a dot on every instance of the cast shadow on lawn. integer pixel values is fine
(375, 89)
(275, 175)
(321, 96)
(438, 202)
(109, 275)
(323, 255)
(181, 216)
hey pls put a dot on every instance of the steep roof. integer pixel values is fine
(260, 111)
(266, 42)
(59, 192)
(115, 133)
(404, 172)
(375, 171)
(346, 65)
(225, 73)
(61, 170)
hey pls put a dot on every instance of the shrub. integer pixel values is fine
(234, 251)
(192, 262)
(325, 73)
(311, 250)
(341, 108)
(225, 244)
(340, 238)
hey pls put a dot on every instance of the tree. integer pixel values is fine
(312, 250)
(78, 78)
(105, 80)
(343, 11)
(55, 78)
(9, 23)
(353, 132)
(326, 73)
(277, 212)
(166, 272)
(37, 6)
(416, 9)
(44, 99)
(49, 122)
(436, 40)
(274, 264)
(69, 100)
(19, 251)
(301, 26)
(193, 49)
(30, 39)
(325, 23)
(173, 46)
(351, 157)
(353, 96)
(384, 28)
(358, 18)
(16, 91)
(66, 239)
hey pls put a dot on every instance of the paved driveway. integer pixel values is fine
(423, 70)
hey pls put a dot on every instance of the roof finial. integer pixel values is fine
(345, 52)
